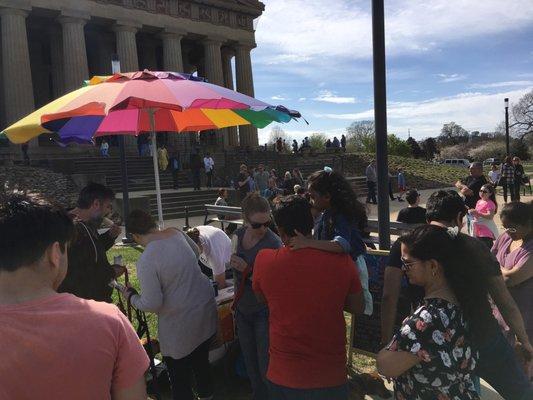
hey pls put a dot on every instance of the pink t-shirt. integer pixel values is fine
(64, 347)
(484, 207)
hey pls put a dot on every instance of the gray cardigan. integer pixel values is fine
(174, 288)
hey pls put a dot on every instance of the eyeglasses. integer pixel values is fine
(257, 225)
(408, 265)
(484, 191)
(510, 229)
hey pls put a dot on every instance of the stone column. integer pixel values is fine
(56, 54)
(129, 60)
(173, 61)
(213, 73)
(75, 65)
(245, 84)
(16, 72)
(227, 55)
(172, 54)
(213, 61)
(127, 46)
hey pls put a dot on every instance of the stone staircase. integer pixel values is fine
(140, 173)
(174, 204)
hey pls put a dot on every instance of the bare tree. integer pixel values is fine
(522, 117)
(361, 136)
(276, 133)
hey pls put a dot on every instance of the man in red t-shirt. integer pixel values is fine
(56, 345)
(306, 291)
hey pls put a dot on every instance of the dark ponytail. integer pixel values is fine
(462, 270)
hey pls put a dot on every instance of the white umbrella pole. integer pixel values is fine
(156, 170)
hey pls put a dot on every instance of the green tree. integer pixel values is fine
(416, 151)
(397, 146)
(429, 148)
(317, 140)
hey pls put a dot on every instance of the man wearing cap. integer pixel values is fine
(471, 185)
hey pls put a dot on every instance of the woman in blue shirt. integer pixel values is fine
(340, 226)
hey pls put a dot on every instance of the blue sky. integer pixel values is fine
(447, 60)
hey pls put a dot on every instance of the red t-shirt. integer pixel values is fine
(64, 347)
(306, 291)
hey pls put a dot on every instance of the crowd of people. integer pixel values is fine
(298, 264)
(268, 184)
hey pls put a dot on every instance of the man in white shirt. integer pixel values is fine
(209, 165)
(494, 175)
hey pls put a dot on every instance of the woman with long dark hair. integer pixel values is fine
(433, 355)
(340, 227)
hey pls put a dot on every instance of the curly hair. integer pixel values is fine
(461, 261)
(343, 197)
(194, 234)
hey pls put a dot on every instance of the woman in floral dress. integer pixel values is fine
(433, 354)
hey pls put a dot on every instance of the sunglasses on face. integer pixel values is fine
(257, 225)
(510, 229)
(407, 265)
(484, 191)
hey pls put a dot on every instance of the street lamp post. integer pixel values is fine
(506, 101)
(380, 121)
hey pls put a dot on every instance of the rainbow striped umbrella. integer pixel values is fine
(145, 101)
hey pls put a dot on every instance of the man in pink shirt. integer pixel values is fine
(57, 346)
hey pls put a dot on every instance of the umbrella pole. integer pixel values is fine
(156, 170)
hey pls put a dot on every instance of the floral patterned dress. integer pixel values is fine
(436, 333)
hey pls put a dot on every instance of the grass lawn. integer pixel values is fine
(419, 173)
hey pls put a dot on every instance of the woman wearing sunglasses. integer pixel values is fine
(433, 354)
(251, 317)
(514, 251)
(483, 226)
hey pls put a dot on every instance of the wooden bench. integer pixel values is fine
(396, 229)
(222, 211)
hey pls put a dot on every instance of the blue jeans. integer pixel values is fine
(252, 331)
(499, 367)
(330, 393)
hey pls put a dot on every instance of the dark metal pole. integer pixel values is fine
(115, 67)
(507, 126)
(380, 120)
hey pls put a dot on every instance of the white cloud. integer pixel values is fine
(328, 96)
(302, 99)
(451, 78)
(501, 84)
(474, 111)
(304, 30)
(279, 97)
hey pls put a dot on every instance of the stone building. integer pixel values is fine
(48, 47)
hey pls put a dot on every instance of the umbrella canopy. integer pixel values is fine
(120, 104)
(145, 101)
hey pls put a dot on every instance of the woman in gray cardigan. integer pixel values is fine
(174, 288)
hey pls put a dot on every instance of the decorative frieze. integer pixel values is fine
(185, 9)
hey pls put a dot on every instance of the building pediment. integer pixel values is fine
(234, 13)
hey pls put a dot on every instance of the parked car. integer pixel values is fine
(490, 161)
(457, 162)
